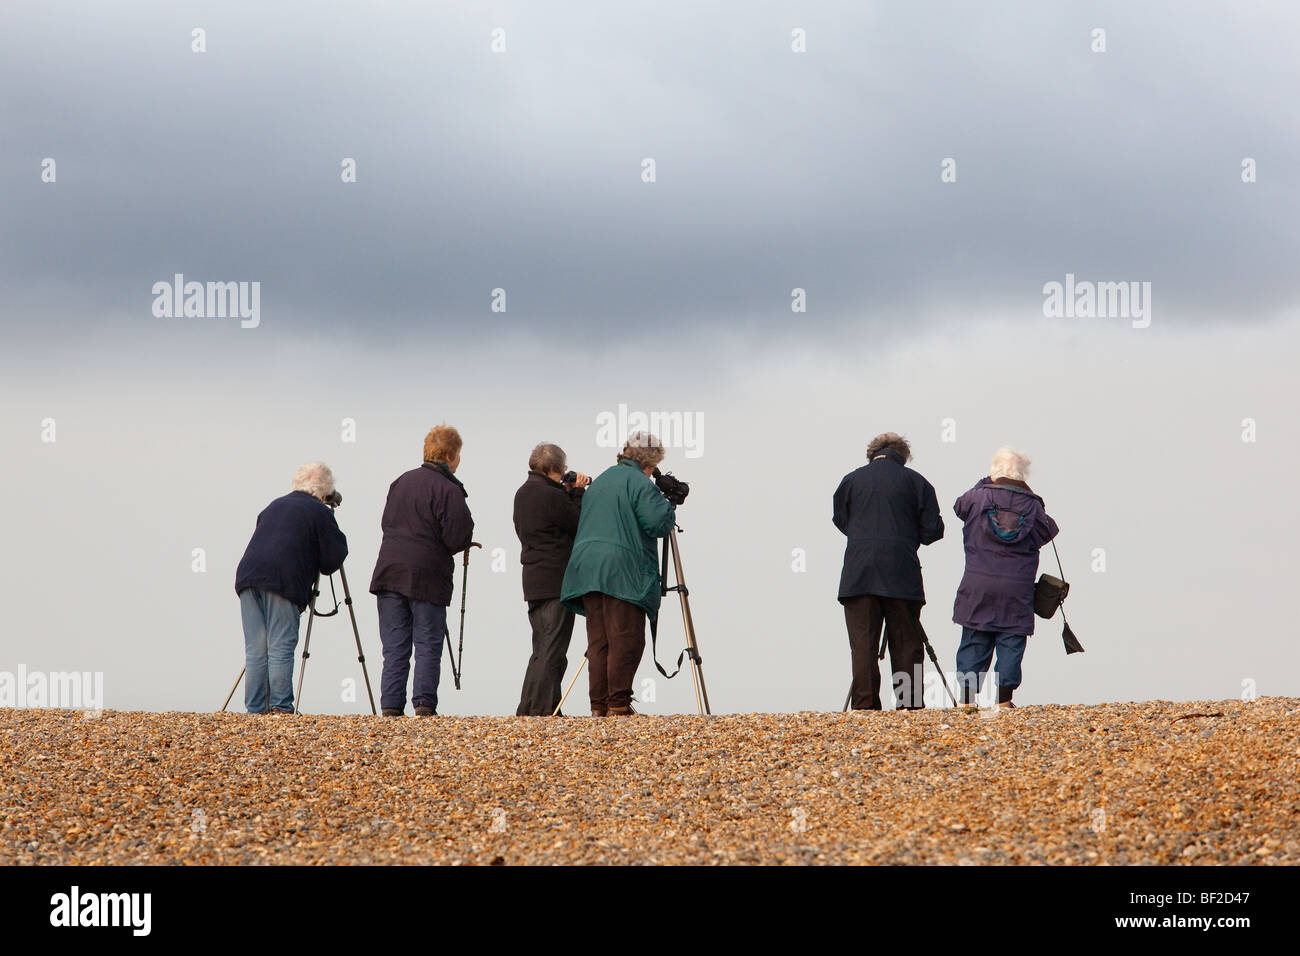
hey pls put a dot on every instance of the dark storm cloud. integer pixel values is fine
(522, 169)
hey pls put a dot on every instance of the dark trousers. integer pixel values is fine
(864, 616)
(615, 643)
(404, 623)
(552, 627)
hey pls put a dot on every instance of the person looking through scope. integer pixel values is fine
(295, 540)
(613, 574)
(548, 506)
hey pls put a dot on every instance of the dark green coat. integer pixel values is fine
(614, 552)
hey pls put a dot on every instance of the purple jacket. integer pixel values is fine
(425, 522)
(1005, 525)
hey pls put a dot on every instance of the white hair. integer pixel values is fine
(315, 478)
(1009, 463)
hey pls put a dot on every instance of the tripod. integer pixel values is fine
(692, 646)
(929, 648)
(312, 614)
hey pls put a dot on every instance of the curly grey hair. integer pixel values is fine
(315, 478)
(889, 441)
(644, 449)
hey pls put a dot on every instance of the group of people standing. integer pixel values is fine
(589, 547)
(888, 511)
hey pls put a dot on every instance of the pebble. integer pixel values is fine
(1033, 785)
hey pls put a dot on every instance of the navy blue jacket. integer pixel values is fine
(887, 511)
(426, 521)
(296, 539)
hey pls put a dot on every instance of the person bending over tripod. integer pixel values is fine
(547, 508)
(613, 574)
(887, 511)
(425, 522)
(295, 540)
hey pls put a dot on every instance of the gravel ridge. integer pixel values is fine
(1157, 782)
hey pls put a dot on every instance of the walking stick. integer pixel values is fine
(233, 689)
(570, 688)
(458, 662)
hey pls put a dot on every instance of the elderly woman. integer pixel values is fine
(296, 539)
(546, 515)
(1005, 525)
(425, 522)
(613, 572)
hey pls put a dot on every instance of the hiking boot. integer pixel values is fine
(423, 711)
(599, 712)
(623, 710)
(391, 712)
(1005, 705)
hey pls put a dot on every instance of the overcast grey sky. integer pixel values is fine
(775, 170)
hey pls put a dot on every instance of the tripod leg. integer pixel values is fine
(697, 666)
(929, 648)
(232, 690)
(848, 698)
(306, 644)
(361, 656)
(570, 688)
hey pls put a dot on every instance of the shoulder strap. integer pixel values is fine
(1058, 559)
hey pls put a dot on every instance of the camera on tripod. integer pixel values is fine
(674, 489)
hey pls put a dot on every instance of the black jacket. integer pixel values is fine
(887, 511)
(546, 520)
(296, 538)
(426, 521)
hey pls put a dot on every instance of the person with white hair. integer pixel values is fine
(1005, 524)
(296, 539)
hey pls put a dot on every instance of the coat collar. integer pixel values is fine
(1008, 484)
(440, 467)
(888, 454)
(546, 478)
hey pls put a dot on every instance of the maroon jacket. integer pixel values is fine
(426, 521)
(1005, 525)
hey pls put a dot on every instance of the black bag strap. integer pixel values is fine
(1058, 560)
(654, 622)
(654, 650)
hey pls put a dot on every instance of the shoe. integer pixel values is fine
(391, 712)
(621, 711)
(277, 711)
(422, 711)
(1005, 705)
(599, 713)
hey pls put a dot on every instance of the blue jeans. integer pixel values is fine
(976, 651)
(270, 637)
(402, 623)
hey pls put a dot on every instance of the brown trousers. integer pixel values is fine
(864, 616)
(615, 643)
